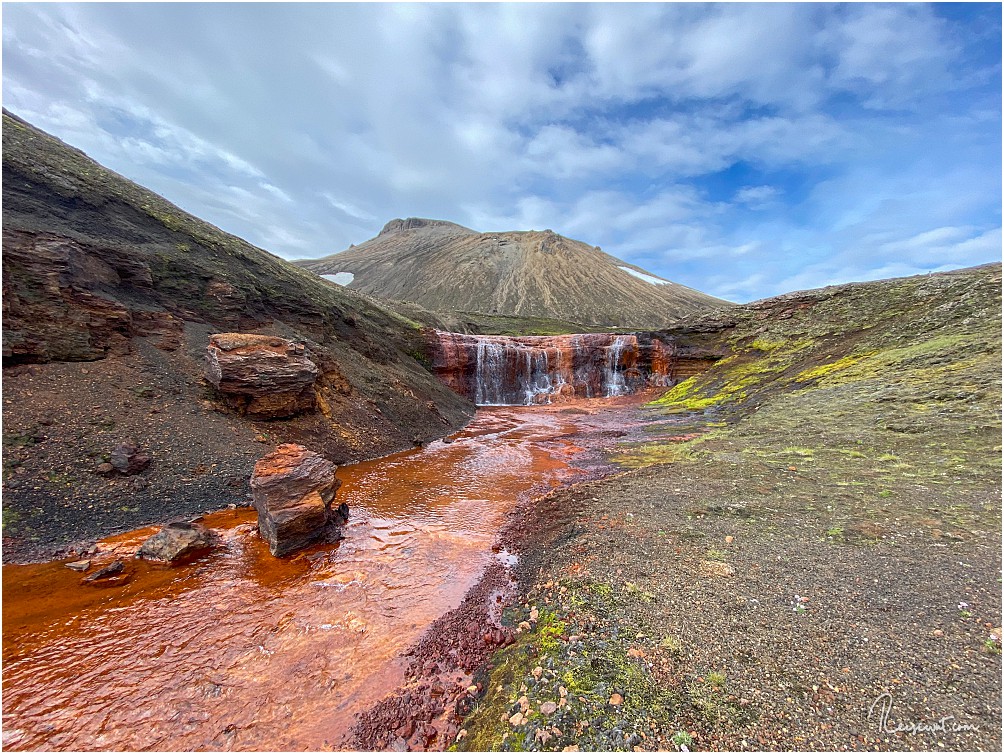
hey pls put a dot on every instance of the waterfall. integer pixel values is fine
(496, 370)
(489, 373)
(614, 382)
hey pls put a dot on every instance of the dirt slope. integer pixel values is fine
(109, 295)
(819, 570)
(446, 267)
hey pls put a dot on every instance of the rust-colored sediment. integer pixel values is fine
(240, 650)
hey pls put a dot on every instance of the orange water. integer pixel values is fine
(241, 650)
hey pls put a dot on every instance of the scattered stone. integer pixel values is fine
(616, 700)
(109, 575)
(126, 458)
(293, 488)
(177, 541)
(516, 719)
(548, 708)
(262, 376)
(79, 565)
(104, 469)
(729, 539)
(716, 568)
(537, 672)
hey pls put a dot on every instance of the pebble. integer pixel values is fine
(616, 700)
(548, 708)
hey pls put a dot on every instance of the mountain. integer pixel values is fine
(447, 267)
(110, 294)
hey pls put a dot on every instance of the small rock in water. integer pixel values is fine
(177, 540)
(109, 574)
(79, 565)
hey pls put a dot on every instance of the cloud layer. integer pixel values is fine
(744, 149)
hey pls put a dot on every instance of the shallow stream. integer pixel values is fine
(240, 650)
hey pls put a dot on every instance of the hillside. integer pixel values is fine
(449, 268)
(809, 559)
(109, 296)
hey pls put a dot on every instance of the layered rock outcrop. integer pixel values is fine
(263, 376)
(293, 489)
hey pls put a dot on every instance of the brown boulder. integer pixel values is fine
(177, 541)
(293, 488)
(262, 376)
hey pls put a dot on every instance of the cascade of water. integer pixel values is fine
(613, 374)
(489, 373)
(500, 370)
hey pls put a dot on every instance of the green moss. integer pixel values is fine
(767, 346)
(590, 675)
(652, 453)
(823, 370)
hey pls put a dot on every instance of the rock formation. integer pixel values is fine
(177, 541)
(265, 377)
(293, 489)
(499, 370)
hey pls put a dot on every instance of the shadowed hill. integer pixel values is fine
(447, 267)
(109, 295)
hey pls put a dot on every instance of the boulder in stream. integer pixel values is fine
(293, 489)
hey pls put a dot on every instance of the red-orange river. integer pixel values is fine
(240, 650)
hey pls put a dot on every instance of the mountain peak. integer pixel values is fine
(411, 223)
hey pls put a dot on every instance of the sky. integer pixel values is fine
(745, 150)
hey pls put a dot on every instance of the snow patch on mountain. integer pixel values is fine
(647, 278)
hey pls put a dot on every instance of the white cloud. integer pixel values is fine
(860, 133)
(756, 196)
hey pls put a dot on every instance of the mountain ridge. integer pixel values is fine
(443, 266)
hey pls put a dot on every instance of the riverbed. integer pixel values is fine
(240, 650)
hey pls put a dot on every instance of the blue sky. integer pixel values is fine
(743, 149)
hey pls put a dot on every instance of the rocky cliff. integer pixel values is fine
(499, 370)
(447, 268)
(110, 296)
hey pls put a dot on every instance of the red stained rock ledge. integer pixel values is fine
(293, 489)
